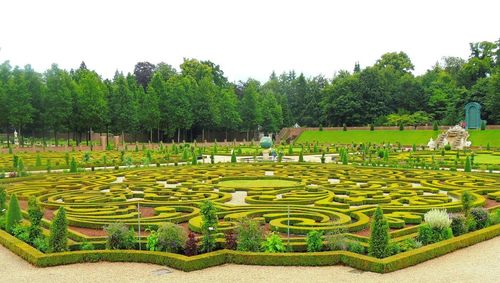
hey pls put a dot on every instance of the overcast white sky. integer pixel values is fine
(246, 38)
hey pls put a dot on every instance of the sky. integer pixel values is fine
(248, 39)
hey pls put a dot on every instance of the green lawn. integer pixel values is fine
(406, 137)
(262, 183)
(487, 159)
(482, 138)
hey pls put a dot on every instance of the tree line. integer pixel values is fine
(197, 99)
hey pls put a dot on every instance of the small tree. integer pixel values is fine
(35, 215)
(401, 126)
(208, 225)
(372, 128)
(273, 244)
(191, 245)
(230, 238)
(14, 216)
(468, 166)
(467, 202)
(379, 238)
(250, 236)
(483, 125)
(414, 147)
(290, 149)
(212, 158)
(323, 158)
(58, 240)
(314, 241)
(344, 127)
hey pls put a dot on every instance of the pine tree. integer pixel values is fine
(14, 215)
(379, 238)
(58, 240)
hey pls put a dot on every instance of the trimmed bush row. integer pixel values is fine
(184, 263)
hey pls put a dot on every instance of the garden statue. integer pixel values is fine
(431, 144)
(16, 140)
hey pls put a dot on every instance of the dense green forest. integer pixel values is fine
(166, 103)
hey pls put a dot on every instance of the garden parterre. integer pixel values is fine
(312, 196)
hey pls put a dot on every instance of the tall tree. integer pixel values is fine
(92, 101)
(18, 101)
(143, 72)
(178, 110)
(57, 99)
(250, 110)
(122, 106)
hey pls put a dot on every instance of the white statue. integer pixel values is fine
(16, 141)
(431, 144)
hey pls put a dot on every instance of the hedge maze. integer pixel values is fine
(287, 198)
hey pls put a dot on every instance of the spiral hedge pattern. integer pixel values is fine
(294, 198)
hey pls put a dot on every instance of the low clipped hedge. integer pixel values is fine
(185, 263)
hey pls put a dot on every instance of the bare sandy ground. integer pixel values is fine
(480, 263)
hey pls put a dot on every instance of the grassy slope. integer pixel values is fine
(406, 137)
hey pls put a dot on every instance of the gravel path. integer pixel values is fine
(480, 263)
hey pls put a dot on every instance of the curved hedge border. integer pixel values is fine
(185, 263)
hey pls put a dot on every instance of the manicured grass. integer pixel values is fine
(482, 138)
(265, 183)
(487, 159)
(406, 137)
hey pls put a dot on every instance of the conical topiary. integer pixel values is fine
(14, 215)
(379, 238)
(58, 240)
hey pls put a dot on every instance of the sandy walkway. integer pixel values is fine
(480, 263)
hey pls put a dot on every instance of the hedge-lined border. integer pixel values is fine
(185, 263)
